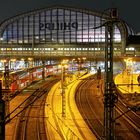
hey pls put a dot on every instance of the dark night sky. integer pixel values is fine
(129, 10)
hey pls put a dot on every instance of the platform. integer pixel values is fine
(70, 127)
(127, 83)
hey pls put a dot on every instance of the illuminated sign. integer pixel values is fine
(58, 26)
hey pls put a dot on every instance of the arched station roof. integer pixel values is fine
(59, 24)
(60, 30)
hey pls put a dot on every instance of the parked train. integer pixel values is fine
(20, 79)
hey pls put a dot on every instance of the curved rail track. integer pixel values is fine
(83, 102)
(30, 114)
(89, 99)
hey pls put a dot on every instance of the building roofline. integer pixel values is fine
(6, 21)
(9, 20)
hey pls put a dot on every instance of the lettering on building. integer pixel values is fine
(59, 26)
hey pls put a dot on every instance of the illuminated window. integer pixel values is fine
(61, 26)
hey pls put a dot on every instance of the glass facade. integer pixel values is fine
(57, 25)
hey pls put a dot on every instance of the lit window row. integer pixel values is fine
(130, 49)
(59, 49)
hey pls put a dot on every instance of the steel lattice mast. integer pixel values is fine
(109, 95)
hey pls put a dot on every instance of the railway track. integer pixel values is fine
(132, 121)
(85, 108)
(33, 121)
(73, 116)
(90, 105)
(30, 114)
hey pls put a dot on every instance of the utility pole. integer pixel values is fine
(79, 66)
(2, 115)
(109, 95)
(63, 86)
(43, 69)
(6, 76)
(6, 95)
(63, 90)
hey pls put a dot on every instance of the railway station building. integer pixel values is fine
(58, 31)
